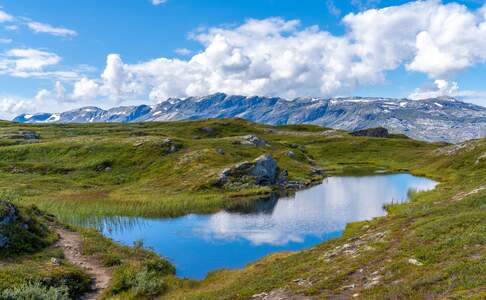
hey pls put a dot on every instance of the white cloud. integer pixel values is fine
(281, 58)
(158, 2)
(4, 17)
(49, 29)
(5, 41)
(85, 89)
(441, 88)
(444, 88)
(31, 59)
(12, 106)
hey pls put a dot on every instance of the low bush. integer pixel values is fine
(35, 292)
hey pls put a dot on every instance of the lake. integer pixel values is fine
(198, 244)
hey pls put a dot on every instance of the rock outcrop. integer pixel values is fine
(252, 140)
(379, 132)
(435, 119)
(264, 170)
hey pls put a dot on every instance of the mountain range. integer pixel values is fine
(435, 119)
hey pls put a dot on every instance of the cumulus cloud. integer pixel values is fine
(440, 88)
(445, 88)
(38, 27)
(12, 106)
(279, 57)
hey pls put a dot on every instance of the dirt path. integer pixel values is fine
(72, 243)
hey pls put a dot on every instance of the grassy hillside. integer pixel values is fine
(433, 247)
(128, 169)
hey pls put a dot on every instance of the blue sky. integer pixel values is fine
(57, 55)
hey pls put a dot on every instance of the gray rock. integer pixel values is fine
(265, 170)
(169, 146)
(220, 151)
(291, 154)
(253, 140)
(29, 135)
(55, 261)
(283, 178)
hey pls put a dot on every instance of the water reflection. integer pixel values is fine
(198, 244)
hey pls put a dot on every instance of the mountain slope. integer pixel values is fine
(437, 119)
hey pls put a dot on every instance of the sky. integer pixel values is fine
(57, 55)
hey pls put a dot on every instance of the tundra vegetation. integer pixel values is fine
(434, 246)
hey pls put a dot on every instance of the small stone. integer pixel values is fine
(413, 261)
(261, 295)
(55, 261)
(291, 154)
(253, 140)
(220, 151)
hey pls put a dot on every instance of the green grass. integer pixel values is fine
(65, 173)
(118, 169)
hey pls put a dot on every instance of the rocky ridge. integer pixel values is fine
(435, 119)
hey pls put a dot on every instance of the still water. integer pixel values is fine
(198, 244)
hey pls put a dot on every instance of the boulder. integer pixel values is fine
(265, 170)
(379, 132)
(169, 146)
(291, 154)
(253, 140)
(29, 135)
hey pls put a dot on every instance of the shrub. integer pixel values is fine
(35, 292)
(149, 283)
(159, 266)
(123, 279)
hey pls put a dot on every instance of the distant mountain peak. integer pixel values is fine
(435, 119)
